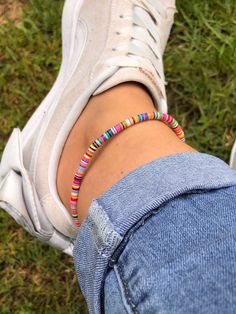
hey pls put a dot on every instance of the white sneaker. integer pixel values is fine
(233, 157)
(105, 43)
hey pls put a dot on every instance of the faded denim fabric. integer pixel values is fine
(126, 206)
(182, 260)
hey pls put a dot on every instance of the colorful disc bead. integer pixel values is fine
(81, 170)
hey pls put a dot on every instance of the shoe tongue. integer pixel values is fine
(139, 75)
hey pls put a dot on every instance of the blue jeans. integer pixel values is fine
(162, 240)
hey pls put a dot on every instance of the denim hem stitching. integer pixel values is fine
(127, 294)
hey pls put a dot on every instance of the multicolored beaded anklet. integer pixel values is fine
(166, 118)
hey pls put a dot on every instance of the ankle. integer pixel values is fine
(152, 139)
(118, 103)
(102, 112)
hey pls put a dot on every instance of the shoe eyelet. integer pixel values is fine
(121, 16)
(117, 33)
(113, 49)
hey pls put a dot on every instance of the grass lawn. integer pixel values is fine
(201, 75)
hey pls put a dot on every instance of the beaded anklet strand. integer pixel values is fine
(81, 170)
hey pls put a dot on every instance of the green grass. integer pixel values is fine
(201, 73)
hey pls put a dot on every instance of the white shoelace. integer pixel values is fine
(145, 40)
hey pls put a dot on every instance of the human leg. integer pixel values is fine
(121, 154)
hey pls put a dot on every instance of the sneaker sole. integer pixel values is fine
(233, 157)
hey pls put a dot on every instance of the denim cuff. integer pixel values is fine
(119, 210)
